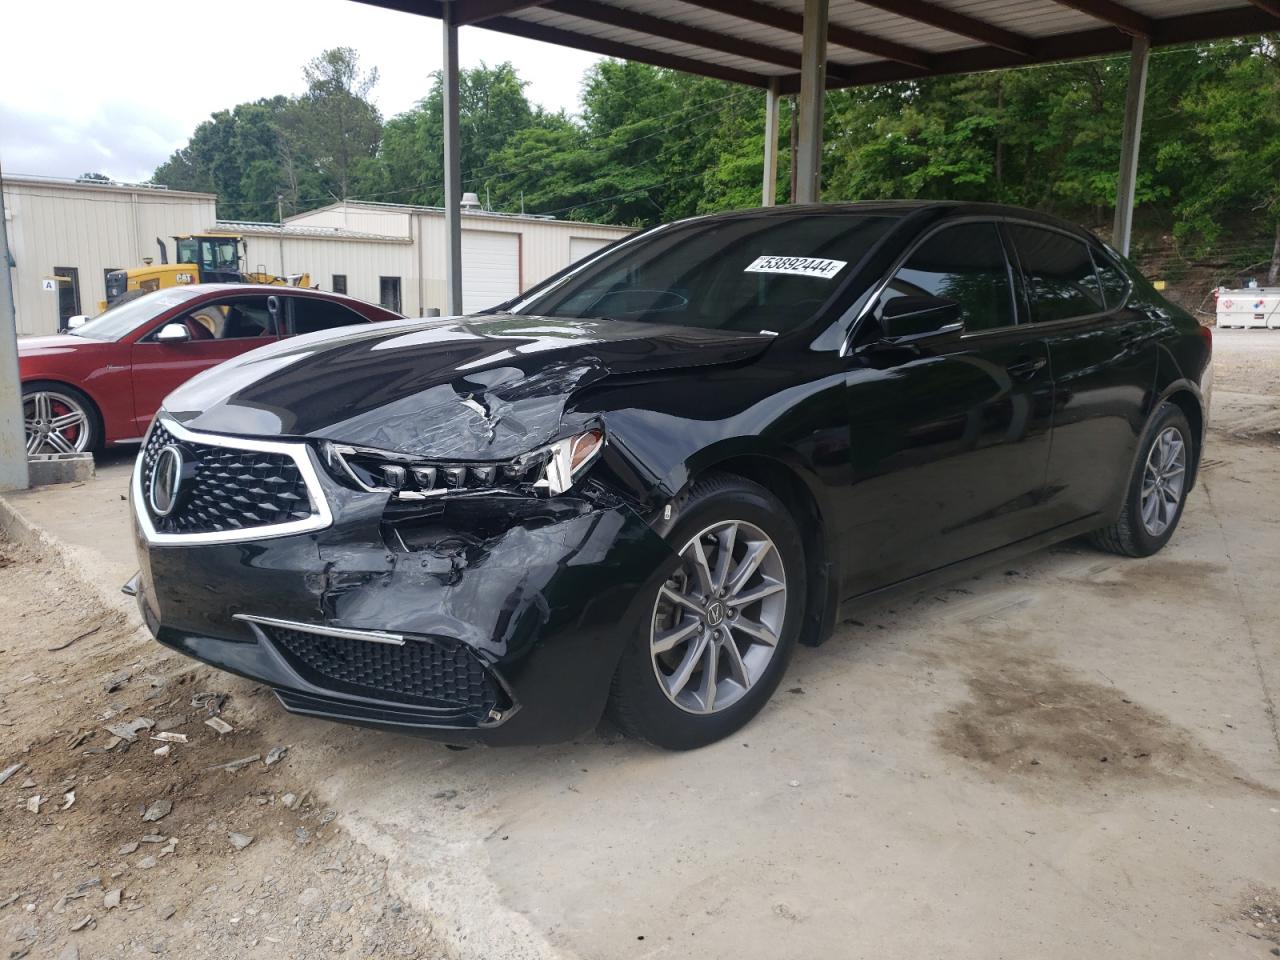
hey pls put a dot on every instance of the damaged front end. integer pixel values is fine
(419, 525)
(468, 601)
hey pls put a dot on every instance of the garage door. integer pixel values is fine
(490, 269)
(580, 247)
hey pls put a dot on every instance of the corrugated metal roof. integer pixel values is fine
(268, 229)
(116, 186)
(592, 28)
(869, 41)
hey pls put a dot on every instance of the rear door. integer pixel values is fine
(949, 434)
(1104, 360)
(217, 329)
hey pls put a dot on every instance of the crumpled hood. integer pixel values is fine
(482, 388)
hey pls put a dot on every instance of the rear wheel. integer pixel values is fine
(1157, 491)
(58, 419)
(721, 625)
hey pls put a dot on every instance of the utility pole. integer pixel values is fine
(13, 438)
(280, 219)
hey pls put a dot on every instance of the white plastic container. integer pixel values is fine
(1249, 307)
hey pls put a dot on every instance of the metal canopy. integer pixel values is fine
(807, 47)
(868, 41)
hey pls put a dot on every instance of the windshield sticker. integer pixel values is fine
(797, 266)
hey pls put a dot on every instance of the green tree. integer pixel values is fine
(492, 109)
(235, 154)
(334, 125)
(1225, 164)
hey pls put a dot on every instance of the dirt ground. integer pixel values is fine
(109, 849)
(1072, 756)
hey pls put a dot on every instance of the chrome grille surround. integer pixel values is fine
(318, 517)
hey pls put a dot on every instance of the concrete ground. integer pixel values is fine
(1073, 756)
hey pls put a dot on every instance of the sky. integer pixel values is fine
(116, 88)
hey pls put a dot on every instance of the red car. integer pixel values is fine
(103, 382)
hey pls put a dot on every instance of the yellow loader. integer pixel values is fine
(201, 258)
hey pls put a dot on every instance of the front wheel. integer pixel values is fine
(721, 624)
(1157, 491)
(58, 419)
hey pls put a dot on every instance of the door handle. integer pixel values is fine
(1026, 367)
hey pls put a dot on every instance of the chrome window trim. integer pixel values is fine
(342, 633)
(300, 453)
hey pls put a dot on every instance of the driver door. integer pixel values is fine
(216, 330)
(949, 431)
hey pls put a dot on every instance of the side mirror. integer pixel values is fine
(273, 308)
(76, 322)
(906, 318)
(173, 333)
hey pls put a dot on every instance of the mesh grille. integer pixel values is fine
(227, 489)
(424, 672)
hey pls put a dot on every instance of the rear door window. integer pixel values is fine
(1060, 280)
(965, 263)
(1115, 285)
(311, 314)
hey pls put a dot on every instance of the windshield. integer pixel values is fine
(126, 316)
(755, 274)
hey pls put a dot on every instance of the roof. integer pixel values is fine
(418, 208)
(253, 228)
(899, 209)
(869, 41)
(114, 186)
(209, 289)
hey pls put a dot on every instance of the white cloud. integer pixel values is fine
(85, 86)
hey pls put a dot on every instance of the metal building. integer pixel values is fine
(502, 254)
(67, 235)
(81, 230)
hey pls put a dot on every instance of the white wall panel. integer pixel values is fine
(90, 228)
(53, 223)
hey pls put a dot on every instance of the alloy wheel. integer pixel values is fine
(55, 423)
(718, 619)
(1163, 481)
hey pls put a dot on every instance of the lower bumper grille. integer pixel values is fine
(422, 672)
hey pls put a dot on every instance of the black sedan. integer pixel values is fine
(639, 485)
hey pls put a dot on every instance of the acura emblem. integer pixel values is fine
(166, 478)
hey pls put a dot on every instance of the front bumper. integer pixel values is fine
(526, 613)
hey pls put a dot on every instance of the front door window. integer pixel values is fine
(964, 263)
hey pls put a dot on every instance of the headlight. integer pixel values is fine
(554, 468)
(570, 458)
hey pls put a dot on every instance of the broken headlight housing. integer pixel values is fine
(552, 469)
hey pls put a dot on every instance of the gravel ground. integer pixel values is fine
(133, 827)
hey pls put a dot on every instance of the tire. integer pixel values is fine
(1136, 534)
(45, 403)
(647, 699)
